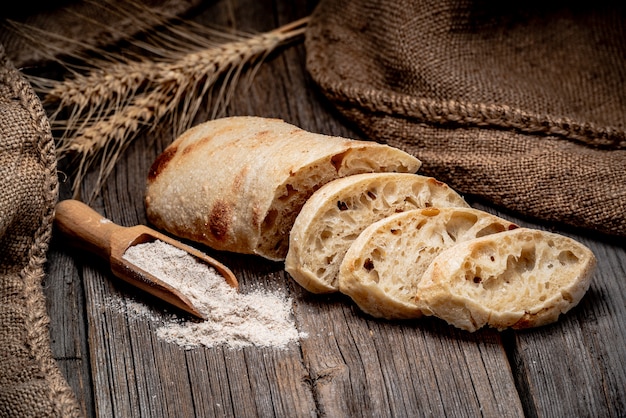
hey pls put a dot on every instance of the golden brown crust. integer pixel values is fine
(236, 184)
(160, 163)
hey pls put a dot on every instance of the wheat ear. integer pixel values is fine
(184, 83)
(98, 113)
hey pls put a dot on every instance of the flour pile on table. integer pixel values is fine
(259, 318)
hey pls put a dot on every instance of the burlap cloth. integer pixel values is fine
(524, 107)
(31, 384)
(520, 103)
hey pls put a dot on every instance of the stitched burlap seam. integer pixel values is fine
(456, 113)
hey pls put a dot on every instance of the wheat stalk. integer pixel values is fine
(96, 114)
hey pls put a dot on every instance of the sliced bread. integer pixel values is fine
(519, 279)
(382, 268)
(336, 214)
(237, 183)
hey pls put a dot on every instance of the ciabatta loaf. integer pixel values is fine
(337, 213)
(522, 278)
(236, 184)
(383, 267)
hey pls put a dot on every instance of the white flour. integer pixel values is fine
(236, 320)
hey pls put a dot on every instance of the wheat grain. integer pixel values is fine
(106, 139)
(98, 113)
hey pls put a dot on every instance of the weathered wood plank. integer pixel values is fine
(352, 371)
(350, 364)
(575, 367)
(66, 307)
(579, 361)
(354, 367)
(147, 376)
(389, 368)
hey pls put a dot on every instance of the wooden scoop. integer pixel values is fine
(89, 230)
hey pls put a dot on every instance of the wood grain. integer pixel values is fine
(349, 364)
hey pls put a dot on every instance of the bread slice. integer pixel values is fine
(382, 268)
(236, 184)
(519, 279)
(336, 214)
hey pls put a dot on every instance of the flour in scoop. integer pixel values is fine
(259, 318)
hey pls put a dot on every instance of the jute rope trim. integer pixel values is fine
(459, 113)
(32, 274)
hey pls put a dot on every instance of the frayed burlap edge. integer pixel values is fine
(32, 274)
(455, 113)
(428, 128)
(418, 126)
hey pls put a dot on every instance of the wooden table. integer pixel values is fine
(350, 365)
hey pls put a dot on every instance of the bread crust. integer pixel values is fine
(236, 184)
(340, 210)
(519, 279)
(383, 267)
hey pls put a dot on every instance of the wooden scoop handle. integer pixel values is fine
(86, 228)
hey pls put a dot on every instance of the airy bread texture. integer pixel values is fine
(237, 184)
(383, 267)
(339, 211)
(519, 279)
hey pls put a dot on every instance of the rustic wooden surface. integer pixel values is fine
(350, 365)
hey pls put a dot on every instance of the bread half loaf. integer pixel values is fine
(383, 267)
(336, 214)
(236, 184)
(520, 279)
